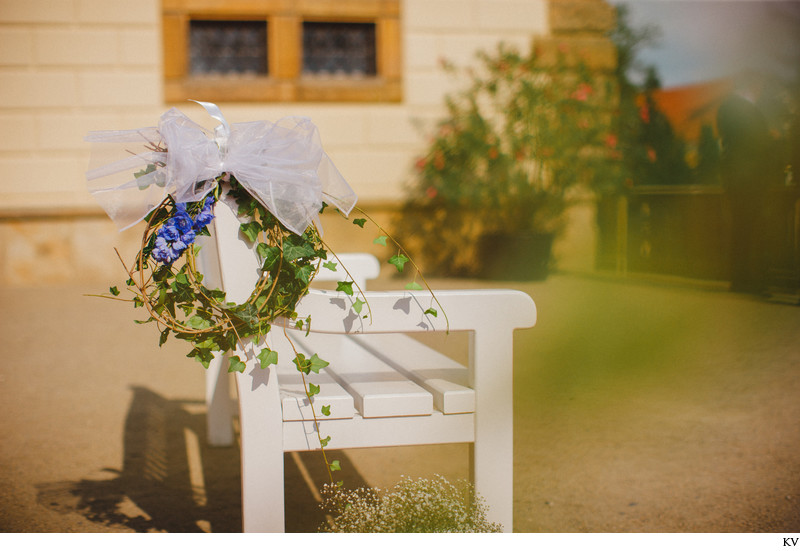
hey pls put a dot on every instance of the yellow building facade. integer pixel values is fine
(68, 67)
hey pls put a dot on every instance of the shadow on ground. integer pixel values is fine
(173, 481)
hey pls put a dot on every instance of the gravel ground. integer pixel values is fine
(638, 408)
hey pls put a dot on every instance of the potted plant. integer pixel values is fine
(516, 144)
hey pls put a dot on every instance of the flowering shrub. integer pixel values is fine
(420, 505)
(515, 144)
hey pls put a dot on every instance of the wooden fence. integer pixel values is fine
(687, 231)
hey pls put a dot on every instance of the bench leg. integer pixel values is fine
(492, 454)
(261, 423)
(219, 407)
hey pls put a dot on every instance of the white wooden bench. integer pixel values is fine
(384, 388)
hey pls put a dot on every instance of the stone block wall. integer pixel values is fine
(71, 66)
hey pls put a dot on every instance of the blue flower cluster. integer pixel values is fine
(180, 231)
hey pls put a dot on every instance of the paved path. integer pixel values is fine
(638, 408)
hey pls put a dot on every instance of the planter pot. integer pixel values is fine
(515, 257)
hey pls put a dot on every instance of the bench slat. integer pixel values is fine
(377, 389)
(446, 379)
(294, 401)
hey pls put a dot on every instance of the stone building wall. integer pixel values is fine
(71, 66)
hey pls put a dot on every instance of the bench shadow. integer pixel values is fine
(172, 480)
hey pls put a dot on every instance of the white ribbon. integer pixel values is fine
(281, 164)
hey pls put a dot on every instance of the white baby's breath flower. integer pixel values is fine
(420, 505)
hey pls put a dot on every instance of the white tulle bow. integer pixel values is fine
(281, 164)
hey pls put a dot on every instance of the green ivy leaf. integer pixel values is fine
(143, 172)
(215, 294)
(114, 291)
(236, 365)
(269, 255)
(324, 441)
(334, 465)
(246, 313)
(330, 265)
(380, 240)
(251, 230)
(360, 222)
(303, 365)
(303, 273)
(326, 411)
(346, 287)
(207, 343)
(163, 338)
(203, 356)
(432, 312)
(294, 249)
(398, 261)
(413, 286)
(358, 305)
(246, 204)
(267, 357)
(196, 322)
(316, 363)
(313, 389)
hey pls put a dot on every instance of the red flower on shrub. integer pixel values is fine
(644, 113)
(438, 160)
(583, 92)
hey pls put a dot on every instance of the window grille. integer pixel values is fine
(305, 50)
(228, 47)
(343, 49)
